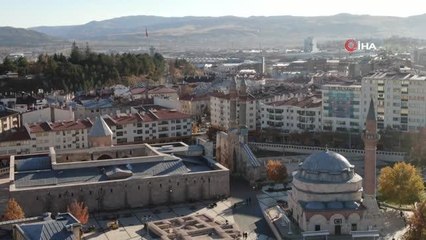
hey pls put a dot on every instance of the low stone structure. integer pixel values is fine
(200, 226)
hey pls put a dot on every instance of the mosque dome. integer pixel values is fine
(326, 166)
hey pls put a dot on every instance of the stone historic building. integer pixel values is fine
(329, 196)
(108, 177)
(232, 148)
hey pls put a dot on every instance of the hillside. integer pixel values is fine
(20, 37)
(228, 31)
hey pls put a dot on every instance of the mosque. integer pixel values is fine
(328, 196)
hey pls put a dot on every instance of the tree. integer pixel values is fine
(417, 223)
(79, 210)
(276, 171)
(401, 184)
(13, 211)
(417, 152)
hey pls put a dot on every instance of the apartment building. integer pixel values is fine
(151, 125)
(292, 115)
(220, 105)
(341, 108)
(399, 98)
(195, 106)
(9, 119)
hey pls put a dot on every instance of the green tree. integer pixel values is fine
(75, 56)
(401, 184)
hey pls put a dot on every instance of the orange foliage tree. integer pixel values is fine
(401, 184)
(276, 171)
(13, 211)
(79, 211)
(417, 223)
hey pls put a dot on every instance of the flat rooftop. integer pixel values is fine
(42, 176)
(42, 170)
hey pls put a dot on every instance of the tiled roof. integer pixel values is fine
(195, 98)
(59, 126)
(7, 112)
(50, 229)
(162, 90)
(95, 174)
(306, 102)
(19, 134)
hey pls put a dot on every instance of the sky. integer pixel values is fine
(30, 13)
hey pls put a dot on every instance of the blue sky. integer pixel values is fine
(29, 13)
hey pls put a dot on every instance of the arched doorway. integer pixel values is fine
(104, 157)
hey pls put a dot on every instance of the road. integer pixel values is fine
(248, 217)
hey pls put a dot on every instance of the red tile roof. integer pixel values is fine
(20, 134)
(306, 102)
(162, 90)
(60, 126)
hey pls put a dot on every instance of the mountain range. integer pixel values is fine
(234, 32)
(21, 37)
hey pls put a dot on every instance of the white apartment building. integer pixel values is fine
(154, 125)
(51, 114)
(195, 106)
(341, 108)
(220, 105)
(9, 119)
(292, 115)
(399, 98)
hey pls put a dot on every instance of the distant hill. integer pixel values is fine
(229, 31)
(20, 37)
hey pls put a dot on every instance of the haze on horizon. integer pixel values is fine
(31, 13)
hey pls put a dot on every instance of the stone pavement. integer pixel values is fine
(4, 192)
(131, 222)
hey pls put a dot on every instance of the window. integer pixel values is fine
(354, 227)
(317, 227)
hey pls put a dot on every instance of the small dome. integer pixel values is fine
(327, 161)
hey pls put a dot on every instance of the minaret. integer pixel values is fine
(243, 112)
(372, 218)
(243, 104)
(233, 106)
(370, 138)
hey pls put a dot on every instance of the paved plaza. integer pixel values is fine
(131, 222)
(248, 217)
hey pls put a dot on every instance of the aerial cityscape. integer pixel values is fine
(199, 120)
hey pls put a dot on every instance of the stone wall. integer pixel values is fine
(127, 193)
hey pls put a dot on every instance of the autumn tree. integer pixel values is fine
(13, 211)
(80, 211)
(417, 223)
(276, 171)
(401, 184)
(417, 152)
